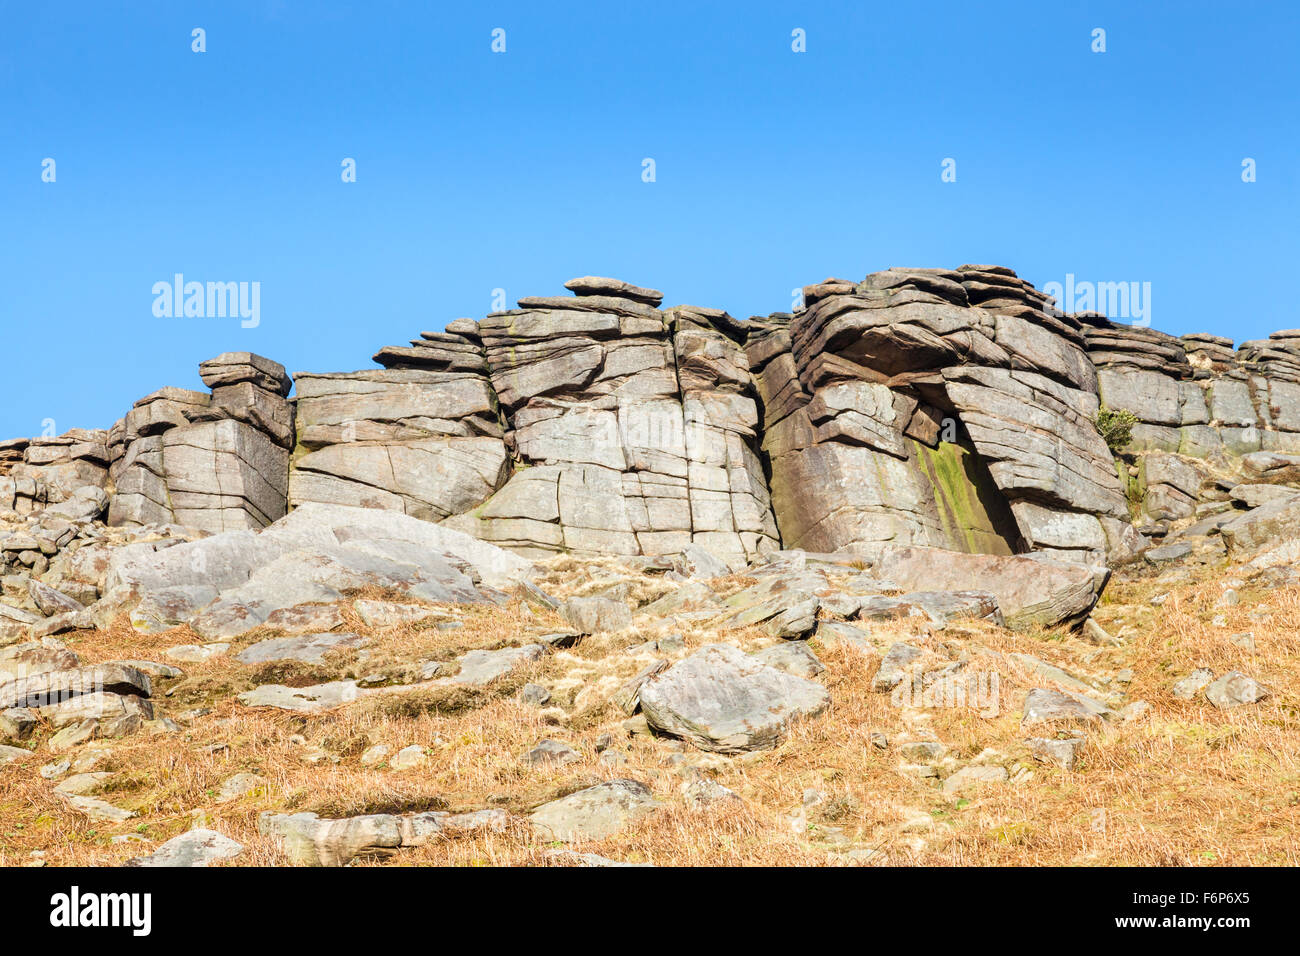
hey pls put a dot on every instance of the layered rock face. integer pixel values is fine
(213, 462)
(935, 407)
(1200, 406)
(952, 409)
(38, 472)
(422, 436)
(634, 428)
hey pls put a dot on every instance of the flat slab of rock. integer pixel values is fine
(98, 809)
(724, 701)
(1046, 706)
(551, 753)
(1167, 552)
(894, 666)
(9, 754)
(303, 699)
(968, 777)
(40, 690)
(595, 813)
(388, 613)
(24, 660)
(594, 615)
(478, 668)
(939, 606)
(310, 648)
(193, 848)
(1235, 689)
(1029, 592)
(196, 653)
(793, 657)
(311, 841)
(603, 285)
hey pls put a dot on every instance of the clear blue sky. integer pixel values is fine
(520, 170)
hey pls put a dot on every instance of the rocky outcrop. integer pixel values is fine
(38, 472)
(213, 462)
(951, 409)
(422, 436)
(938, 408)
(634, 428)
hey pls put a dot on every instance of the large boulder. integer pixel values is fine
(229, 583)
(725, 701)
(1030, 592)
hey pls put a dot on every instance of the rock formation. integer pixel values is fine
(668, 539)
(214, 462)
(951, 409)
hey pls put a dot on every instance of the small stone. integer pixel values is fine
(637, 726)
(1235, 689)
(974, 776)
(1245, 640)
(595, 813)
(1063, 753)
(195, 653)
(193, 848)
(17, 723)
(1193, 683)
(409, 758)
(924, 751)
(1043, 705)
(894, 667)
(98, 809)
(1094, 632)
(551, 753)
(1134, 711)
(375, 755)
(241, 784)
(672, 643)
(535, 695)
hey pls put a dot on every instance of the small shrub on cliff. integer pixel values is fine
(1116, 427)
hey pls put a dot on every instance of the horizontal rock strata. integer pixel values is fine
(955, 409)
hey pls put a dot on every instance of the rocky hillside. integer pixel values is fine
(927, 571)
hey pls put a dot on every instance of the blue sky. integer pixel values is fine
(478, 171)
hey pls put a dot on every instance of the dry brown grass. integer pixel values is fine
(1184, 785)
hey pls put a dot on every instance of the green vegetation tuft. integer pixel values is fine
(1116, 427)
